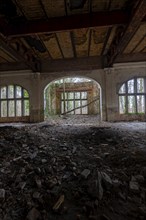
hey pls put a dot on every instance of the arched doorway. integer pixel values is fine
(73, 97)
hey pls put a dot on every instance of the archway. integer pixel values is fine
(73, 97)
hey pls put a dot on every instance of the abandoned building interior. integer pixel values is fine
(72, 109)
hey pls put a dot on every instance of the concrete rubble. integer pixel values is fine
(56, 172)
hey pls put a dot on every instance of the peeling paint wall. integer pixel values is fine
(109, 80)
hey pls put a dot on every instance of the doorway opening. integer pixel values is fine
(77, 99)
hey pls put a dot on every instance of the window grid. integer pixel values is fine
(19, 95)
(78, 99)
(136, 94)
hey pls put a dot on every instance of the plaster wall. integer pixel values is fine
(109, 79)
(115, 77)
(31, 82)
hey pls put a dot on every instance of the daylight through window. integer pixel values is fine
(74, 100)
(132, 97)
(14, 101)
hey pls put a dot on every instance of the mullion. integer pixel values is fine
(135, 95)
(14, 99)
(145, 92)
(7, 101)
(81, 102)
(74, 102)
(0, 102)
(22, 102)
(126, 94)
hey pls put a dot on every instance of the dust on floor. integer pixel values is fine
(73, 168)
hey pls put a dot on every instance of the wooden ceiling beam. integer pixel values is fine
(96, 19)
(73, 64)
(124, 35)
(134, 57)
(20, 54)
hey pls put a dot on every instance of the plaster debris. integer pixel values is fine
(100, 174)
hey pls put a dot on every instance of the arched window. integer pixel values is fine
(132, 96)
(14, 101)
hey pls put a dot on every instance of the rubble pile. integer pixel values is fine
(50, 172)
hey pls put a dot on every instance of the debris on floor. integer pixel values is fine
(72, 172)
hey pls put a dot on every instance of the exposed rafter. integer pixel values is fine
(20, 54)
(43, 8)
(66, 23)
(124, 35)
(59, 46)
(106, 40)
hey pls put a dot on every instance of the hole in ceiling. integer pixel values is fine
(76, 4)
(33, 42)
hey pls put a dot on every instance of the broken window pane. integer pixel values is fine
(140, 85)
(131, 86)
(140, 104)
(3, 92)
(3, 108)
(122, 104)
(131, 104)
(122, 89)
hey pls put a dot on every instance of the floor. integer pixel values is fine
(73, 167)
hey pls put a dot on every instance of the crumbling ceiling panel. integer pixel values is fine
(141, 32)
(31, 8)
(77, 6)
(53, 8)
(97, 41)
(37, 53)
(65, 44)
(81, 41)
(52, 46)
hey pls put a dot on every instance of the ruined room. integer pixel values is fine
(72, 109)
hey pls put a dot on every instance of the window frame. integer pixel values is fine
(74, 100)
(126, 94)
(14, 99)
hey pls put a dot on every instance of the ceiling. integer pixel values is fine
(36, 31)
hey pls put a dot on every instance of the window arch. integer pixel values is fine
(14, 101)
(132, 96)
